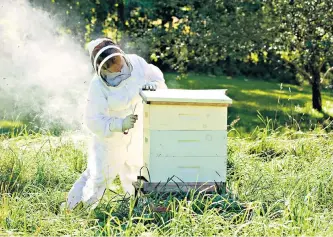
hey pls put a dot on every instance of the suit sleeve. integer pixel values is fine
(153, 74)
(96, 114)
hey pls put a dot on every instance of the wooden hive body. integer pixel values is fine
(185, 135)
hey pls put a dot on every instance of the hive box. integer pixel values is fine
(185, 135)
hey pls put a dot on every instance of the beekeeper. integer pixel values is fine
(114, 116)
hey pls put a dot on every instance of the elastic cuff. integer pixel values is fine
(116, 125)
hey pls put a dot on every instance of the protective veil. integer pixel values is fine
(115, 78)
(112, 152)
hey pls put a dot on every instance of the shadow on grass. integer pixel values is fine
(160, 208)
(287, 105)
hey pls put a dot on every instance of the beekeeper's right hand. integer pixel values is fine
(129, 122)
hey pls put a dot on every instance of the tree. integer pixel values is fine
(301, 33)
(297, 32)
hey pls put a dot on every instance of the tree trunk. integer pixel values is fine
(316, 94)
(121, 13)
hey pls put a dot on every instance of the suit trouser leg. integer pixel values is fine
(128, 175)
(85, 184)
(75, 194)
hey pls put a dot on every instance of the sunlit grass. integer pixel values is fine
(283, 103)
(6, 125)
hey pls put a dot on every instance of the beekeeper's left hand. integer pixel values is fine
(150, 86)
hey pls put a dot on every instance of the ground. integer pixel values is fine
(279, 180)
(281, 184)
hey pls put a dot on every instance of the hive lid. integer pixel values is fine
(185, 96)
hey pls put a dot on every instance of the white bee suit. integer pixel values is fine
(112, 152)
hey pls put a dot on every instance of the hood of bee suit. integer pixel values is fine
(91, 46)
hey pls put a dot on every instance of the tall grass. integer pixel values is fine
(280, 183)
(279, 177)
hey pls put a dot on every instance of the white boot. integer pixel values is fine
(75, 194)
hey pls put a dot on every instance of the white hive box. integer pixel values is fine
(185, 134)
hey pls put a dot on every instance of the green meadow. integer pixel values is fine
(279, 175)
(254, 100)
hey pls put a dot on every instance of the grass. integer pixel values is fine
(280, 180)
(281, 184)
(254, 100)
(11, 128)
(287, 105)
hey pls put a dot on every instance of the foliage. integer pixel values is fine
(87, 19)
(174, 35)
(300, 32)
(287, 40)
(296, 32)
(211, 36)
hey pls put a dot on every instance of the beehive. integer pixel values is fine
(185, 135)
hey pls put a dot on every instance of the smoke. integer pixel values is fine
(44, 75)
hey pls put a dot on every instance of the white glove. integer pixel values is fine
(129, 122)
(150, 86)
